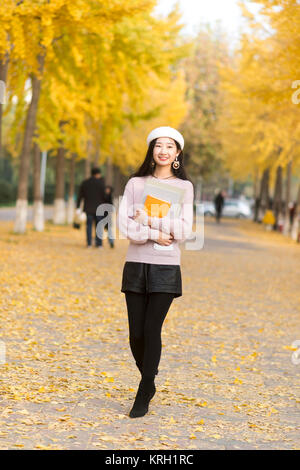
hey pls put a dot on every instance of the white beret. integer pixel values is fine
(166, 132)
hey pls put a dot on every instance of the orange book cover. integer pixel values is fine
(156, 207)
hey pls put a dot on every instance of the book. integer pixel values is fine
(162, 199)
(155, 207)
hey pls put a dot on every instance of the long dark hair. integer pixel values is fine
(147, 169)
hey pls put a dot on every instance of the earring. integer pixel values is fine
(176, 164)
(152, 163)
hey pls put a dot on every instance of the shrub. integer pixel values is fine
(6, 192)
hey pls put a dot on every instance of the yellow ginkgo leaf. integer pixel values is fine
(199, 429)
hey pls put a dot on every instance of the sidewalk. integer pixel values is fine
(226, 379)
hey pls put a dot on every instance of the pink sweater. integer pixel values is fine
(142, 238)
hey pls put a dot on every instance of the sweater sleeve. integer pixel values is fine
(181, 227)
(134, 231)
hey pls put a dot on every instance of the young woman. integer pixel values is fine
(152, 277)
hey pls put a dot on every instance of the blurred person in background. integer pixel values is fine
(219, 201)
(108, 214)
(92, 191)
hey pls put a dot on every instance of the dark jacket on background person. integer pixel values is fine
(219, 202)
(92, 191)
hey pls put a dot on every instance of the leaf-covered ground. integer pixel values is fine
(226, 379)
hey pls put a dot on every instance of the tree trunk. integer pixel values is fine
(71, 202)
(59, 216)
(264, 195)
(3, 76)
(286, 226)
(87, 168)
(277, 199)
(256, 194)
(38, 206)
(256, 183)
(109, 172)
(97, 154)
(118, 187)
(21, 208)
(295, 232)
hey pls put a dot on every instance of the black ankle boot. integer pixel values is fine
(145, 392)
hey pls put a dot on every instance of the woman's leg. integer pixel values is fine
(136, 308)
(156, 311)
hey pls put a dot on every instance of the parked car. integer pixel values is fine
(232, 208)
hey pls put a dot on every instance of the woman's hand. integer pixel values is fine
(164, 239)
(141, 216)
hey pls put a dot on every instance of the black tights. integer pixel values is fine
(146, 314)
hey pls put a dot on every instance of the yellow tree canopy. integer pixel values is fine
(96, 79)
(260, 125)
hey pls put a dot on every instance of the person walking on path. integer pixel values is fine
(219, 203)
(151, 277)
(92, 192)
(108, 214)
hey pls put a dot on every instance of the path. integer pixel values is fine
(226, 378)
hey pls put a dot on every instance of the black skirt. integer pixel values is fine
(146, 278)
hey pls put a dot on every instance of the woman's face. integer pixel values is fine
(165, 151)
